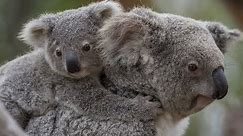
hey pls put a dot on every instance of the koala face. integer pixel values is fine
(69, 38)
(70, 49)
(181, 59)
(190, 74)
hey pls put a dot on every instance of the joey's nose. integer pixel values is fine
(72, 62)
(220, 82)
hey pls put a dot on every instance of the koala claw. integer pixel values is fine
(147, 101)
(150, 107)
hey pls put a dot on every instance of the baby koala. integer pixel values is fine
(68, 39)
(65, 43)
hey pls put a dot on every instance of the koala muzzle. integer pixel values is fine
(220, 82)
(72, 62)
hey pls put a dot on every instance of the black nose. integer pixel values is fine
(221, 84)
(72, 62)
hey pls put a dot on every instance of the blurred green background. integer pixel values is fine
(222, 118)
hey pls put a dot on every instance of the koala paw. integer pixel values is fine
(148, 109)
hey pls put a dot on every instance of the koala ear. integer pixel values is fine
(106, 9)
(223, 36)
(35, 32)
(122, 39)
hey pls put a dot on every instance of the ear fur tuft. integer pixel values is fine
(223, 36)
(122, 37)
(34, 33)
(106, 9)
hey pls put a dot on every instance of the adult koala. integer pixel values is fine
(50, 88)
(175, 59)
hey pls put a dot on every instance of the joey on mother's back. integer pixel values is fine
(61, 73)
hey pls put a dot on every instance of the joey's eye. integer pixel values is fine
(192, 67)
(86, 47)
(58, 52)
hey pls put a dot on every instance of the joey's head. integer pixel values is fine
(69, 38)
(181, 59)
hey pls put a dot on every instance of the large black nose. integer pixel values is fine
(221, 84)
(72, 62)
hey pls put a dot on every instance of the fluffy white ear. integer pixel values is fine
(106, 9)
(122, 39)
(35, 32)
(223, 36)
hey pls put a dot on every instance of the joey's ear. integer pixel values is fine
(106, 9)
(35, 32)
(223, 36)
(122, 39)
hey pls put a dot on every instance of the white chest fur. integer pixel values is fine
(167, 126)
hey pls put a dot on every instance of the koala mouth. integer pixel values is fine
(200, 102)
(81, 74)
(84, 72)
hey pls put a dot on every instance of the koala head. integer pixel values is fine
(69, 37)
(179, 60)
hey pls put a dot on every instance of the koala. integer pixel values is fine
(176, 60)
(60, 76)
(53, 33)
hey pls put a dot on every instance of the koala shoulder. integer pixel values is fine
(25, 73)
(27, 81)
(22, 63)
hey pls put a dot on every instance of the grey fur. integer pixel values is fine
(223, 36)
(143, 52)
(8, 126)
(143, 44)
(46, 106)
(70, 31)
(45, 102)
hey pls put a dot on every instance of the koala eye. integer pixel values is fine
(86, 47)
(192, 67)
(58, 52)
